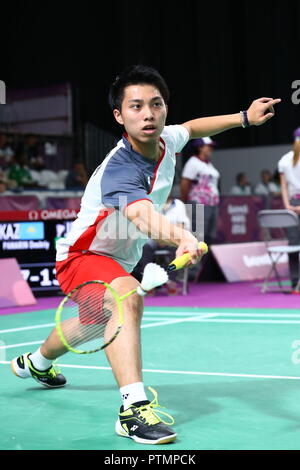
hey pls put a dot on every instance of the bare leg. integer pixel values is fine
(53, 348)
(124, 353)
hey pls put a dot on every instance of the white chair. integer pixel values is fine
(279, 219)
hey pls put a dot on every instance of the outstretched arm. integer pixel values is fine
(157, 226)
(259, 112)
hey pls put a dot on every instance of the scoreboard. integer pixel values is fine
(30, 237)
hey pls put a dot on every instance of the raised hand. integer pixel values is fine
(261, 110)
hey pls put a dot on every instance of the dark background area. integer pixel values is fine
(216, 56)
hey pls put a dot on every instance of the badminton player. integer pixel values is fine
(128, 190)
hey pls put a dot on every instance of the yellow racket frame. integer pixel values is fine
(119, 301)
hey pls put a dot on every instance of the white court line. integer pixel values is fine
(162, 316)
(184, 372)
(23, 328)
(221, 314)
(200, 319)
(12, 330)
(272, 322)
(257, 315)
(197, 320)
(169, 322)
(225, 314)
(9, 346)
(179, 320)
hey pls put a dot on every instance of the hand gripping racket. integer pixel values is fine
(183, 260)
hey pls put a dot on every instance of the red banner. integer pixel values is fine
(44, 214)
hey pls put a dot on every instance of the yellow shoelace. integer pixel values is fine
(54, 369)
(150, 416)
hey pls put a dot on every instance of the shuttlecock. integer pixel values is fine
(154, 275)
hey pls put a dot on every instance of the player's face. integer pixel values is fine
(143, 112)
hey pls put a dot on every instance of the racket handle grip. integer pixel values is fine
(182, 261)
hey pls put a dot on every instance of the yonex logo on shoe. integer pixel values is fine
(133, 428)
(125, 396)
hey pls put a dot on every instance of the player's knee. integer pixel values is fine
(135, 306)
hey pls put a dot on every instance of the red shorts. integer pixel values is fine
(79, 268)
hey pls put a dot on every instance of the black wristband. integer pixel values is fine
(245, 116)
(244, 119)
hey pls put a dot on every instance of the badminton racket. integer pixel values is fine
(91, 316)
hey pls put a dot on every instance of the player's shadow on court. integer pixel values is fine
(81, 388)
(268, 397)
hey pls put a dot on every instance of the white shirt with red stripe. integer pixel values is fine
(124, 177)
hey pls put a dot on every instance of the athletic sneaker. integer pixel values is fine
(142, 424)
(23, 367)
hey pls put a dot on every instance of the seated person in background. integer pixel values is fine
(19, 172)
(174, 210)
(242, 187)
(266, 187)
(77, 177)
(31, 148)
(5, 183)
(6, 152)
(2, 187)
(45, 177)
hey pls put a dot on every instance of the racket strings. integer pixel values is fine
(90, 317)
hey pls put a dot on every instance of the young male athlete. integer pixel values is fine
(132, 183)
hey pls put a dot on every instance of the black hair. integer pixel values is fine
(239, 176)
(133, 75)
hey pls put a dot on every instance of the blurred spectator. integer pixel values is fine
(6, 152)
(276, 179)
(77, 177)
(31, 148)
(199, 185)
(266, 187)
(19, 172)
(3, 187)
(174, 211)
(5, 183)
(46, 178)
(289, 171)
(242, 186)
